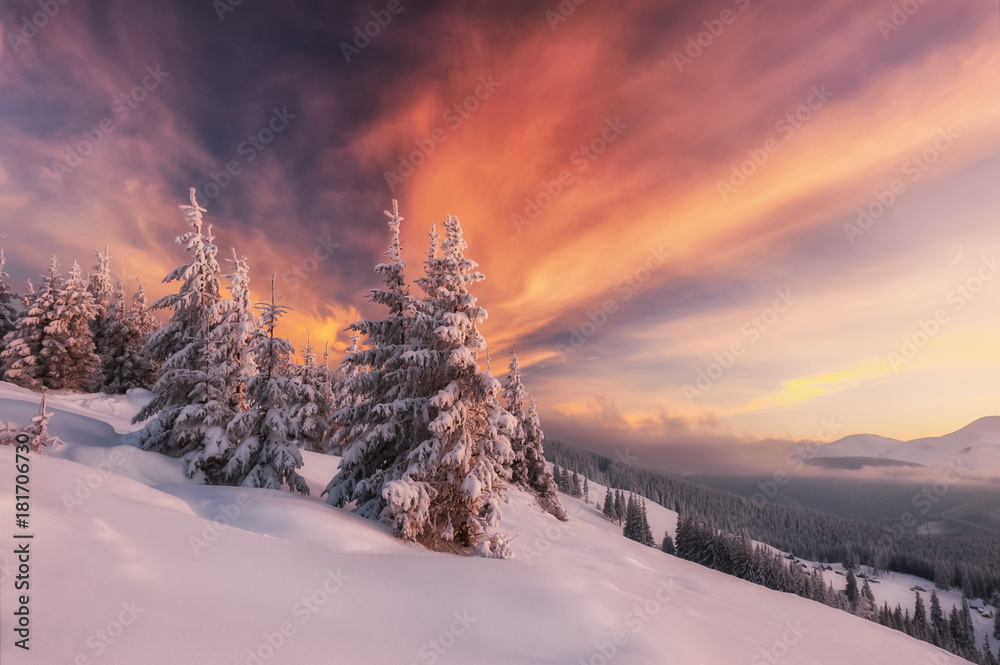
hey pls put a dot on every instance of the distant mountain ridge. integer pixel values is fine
(974, 449)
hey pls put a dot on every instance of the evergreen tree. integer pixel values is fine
(125, 365)
(996, 623)
(68, 356)
(374, 431)
(141, 324)
(191, 411)
(609, 504)
(102, 289)
(852, 588)
(229, 337)
(529, 469)
(987, 657)
(619, 507)
(194, 305)
(313, 405)
(22, 353)
(647, 533)
(7, 313)
(267, 454)
(667, 545)
(920, 626)
(586, 490)
(633, 520)
(428, 446)
(101, 286)
(939, 628)
(38, 430)
(574, 486)
(463, 462)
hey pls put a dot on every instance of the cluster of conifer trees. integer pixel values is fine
(965, 559)
(429, 440)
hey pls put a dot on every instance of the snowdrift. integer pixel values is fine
(131, 563)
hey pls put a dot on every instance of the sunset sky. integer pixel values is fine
(692, 174)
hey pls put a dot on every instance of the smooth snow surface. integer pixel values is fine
(132, 564)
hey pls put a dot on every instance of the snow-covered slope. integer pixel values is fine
(974, 449)
(131, 563)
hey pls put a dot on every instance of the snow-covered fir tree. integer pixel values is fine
(142, 322)
(233, 325)
(38, 431)
(376, 429)
(313, 405)
(101, 287)
(8, 315)
(190, 411)
(462, 464)
(68, 353)
(21, 356)
(194, 305)
(529, 469)
(267, 453)
(667, 545)
(125, 366)
(428, 448)
(609, 504)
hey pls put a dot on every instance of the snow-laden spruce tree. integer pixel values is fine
(267, 454)
(21, 356)
(142, 323)
(38, 430)
(101, 286)
(8, 315)
(529, 469)
(68, 354)
(194, 305)
(125, 329)
(190, 411)
(313, 405)
(378, 422)
(454, 478)
(229, 338)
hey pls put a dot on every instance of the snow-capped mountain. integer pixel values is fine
(974, 449)
(171, 572)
